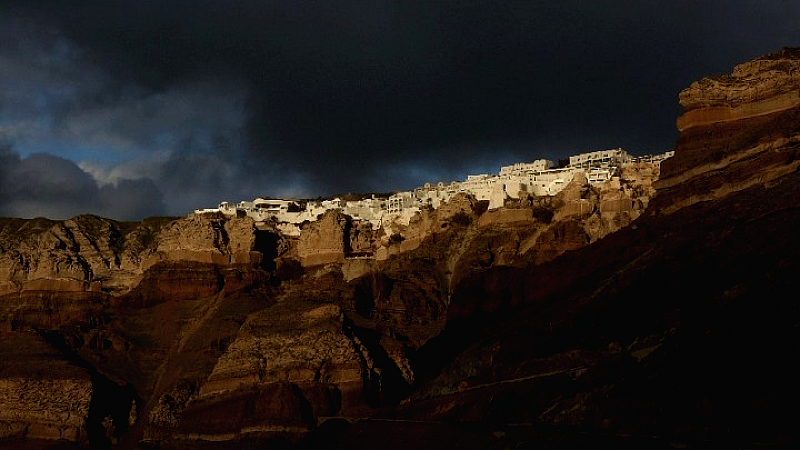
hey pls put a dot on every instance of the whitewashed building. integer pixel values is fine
(520, 168)
(539, 178)
(601, 159)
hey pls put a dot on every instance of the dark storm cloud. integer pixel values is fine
(43, 185)
(316, 97)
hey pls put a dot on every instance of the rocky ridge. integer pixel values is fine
(207, 331)
(309, 328)
(677, 339)
(755, 88)
(738, 131)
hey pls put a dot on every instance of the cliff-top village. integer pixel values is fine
(538, 178)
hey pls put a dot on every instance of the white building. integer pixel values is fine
(538, 178)
(653, 158)
(480, 185)
(601, 158)
(519, 168)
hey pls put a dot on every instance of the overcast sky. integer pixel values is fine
(130, 108)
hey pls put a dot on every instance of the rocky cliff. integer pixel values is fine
(196, 321)
(738, 131)
(648, 311)
(672, 332)
(42, 396)
(206, 315)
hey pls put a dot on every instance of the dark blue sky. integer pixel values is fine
(133, 107)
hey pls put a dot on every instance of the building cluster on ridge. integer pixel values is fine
(539, 178)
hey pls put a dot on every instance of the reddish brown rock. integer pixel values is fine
(738, 131)
(764, 86)
(42, 396)
(219, 347)
(290, 355)
(323, 241)
(505, 215)
(208, 239)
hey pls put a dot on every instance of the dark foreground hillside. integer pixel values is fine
(678, 332)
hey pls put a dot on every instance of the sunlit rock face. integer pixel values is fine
(578, 309)
(207, 239)
(676, 327)
(323, 241)
(210, 328)
(92, 254)
(756, 88)
(738, 130)
(295, 353)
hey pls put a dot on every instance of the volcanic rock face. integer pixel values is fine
(291, 342)
(209, 240)
(42, 396)
(738, 131)
(764, 86)
(86, 253)
(211, 328)
(44, 409)
(324, 240)
(589, 308)
(672, 328)
(93, 254)
(333, 238)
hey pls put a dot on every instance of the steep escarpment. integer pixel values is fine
(675, 331)
(606, 316)
(42, 395)
(197, 321)
(755, 88)
(739, 130)
(212, 328)
(682, 335)
(126, 305)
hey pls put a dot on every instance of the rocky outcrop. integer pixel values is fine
(92, 254)
(738, 131)
(83, 253)
(397, 239)
(602, 316)
(206, 239)
(133, 299)
(323, 241)
(760, 87)
(288, 365)
(193, 315)
(334, 237)
(672, 328)
(42, 396)
(44, 409)
(290, 342)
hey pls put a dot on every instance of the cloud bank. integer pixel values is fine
(182, 104)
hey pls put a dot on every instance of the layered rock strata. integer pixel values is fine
(44, 409)
(288, 366)
(92, 254)
(211, 240)
(756, 88)
(737, 131)
(42, 396)
(674, 332)
(323, 241)
(293, 343)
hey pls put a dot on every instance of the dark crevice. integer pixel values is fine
(384, 384)
(267, 243)
(109, 399)
(306, 411)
